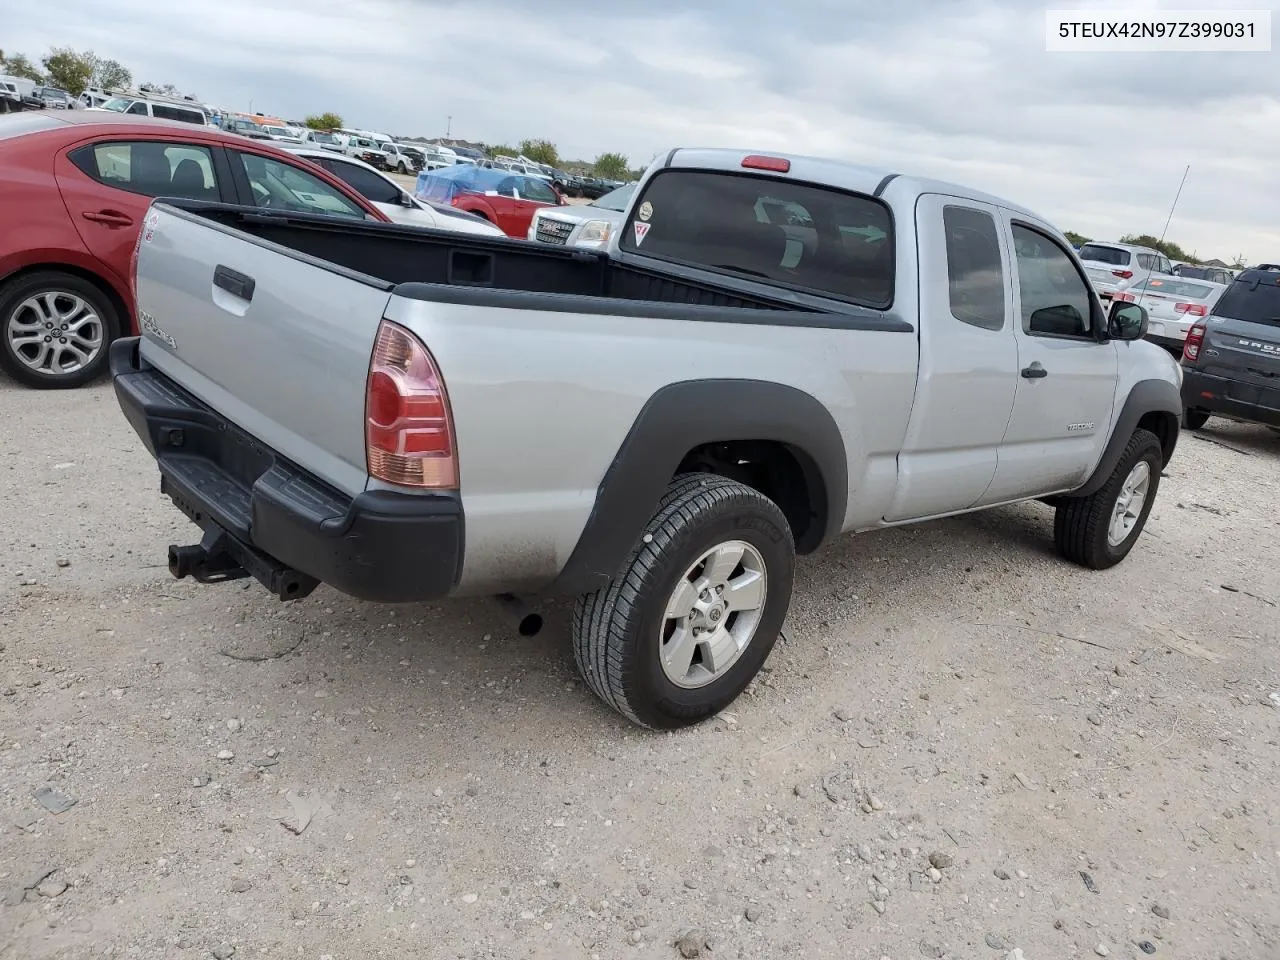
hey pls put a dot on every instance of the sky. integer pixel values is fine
(960, 90)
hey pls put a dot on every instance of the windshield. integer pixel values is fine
(323, 137)
(277, 131)
(118, 104)
(616, 199)
(1253, 301)
(1101, 254)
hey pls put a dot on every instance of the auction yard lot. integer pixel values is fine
(1090, 757)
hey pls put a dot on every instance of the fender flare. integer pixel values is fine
(1146, 396)
(675, 420)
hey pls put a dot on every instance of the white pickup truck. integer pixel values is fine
(774, 350)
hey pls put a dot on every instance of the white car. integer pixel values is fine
(1113, 267)
(389, 197)
(587, 225)
(1174, 305)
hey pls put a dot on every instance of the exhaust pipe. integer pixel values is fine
(530, 621)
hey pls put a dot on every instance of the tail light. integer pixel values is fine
(408, 424)
(1123, 274)
(1191, 309)
(776, 164)
(1124, 297)
(145, 233)
(1195, 339)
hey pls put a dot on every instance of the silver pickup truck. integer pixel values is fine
(773, 350)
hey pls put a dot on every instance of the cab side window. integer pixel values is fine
(975, 274)
(1056, 301)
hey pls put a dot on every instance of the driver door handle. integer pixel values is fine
(109, 218)
(1035, 371)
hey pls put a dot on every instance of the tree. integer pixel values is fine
(1167, 247)
(166, 88)
(110, 74)
(541, 151)
(19, 65)
(68, 70)
(500, 150)
(612, 166)
(1077, 239)
(323, 121)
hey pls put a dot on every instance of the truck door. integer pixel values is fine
(968, 359)
(1066, 382)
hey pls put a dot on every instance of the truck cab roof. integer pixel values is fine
(873, 181)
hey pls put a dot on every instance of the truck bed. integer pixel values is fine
(396, 254)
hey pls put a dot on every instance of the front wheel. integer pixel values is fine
(1099, 530)
(55, 329)
(693, 614)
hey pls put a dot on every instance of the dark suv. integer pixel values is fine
(1231, 358)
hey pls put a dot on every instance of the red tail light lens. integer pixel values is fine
(408, 425)
(1192, 309)
(1195, 339)
(1125, 297)
(1123, 274)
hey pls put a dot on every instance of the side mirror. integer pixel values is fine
(1127, 321)
(407, 201)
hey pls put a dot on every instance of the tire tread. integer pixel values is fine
(602, 619)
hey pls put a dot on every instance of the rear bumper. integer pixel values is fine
(1230, 398)
(265, 517)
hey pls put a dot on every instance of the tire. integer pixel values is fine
(25, 311)
(619, 631)
(1194, 419)
(404, 170)
(1083, 526)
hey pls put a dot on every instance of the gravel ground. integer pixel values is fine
(964, 747)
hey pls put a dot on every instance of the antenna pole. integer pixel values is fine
(1175, 202)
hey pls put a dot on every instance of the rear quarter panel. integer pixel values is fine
(542, 400)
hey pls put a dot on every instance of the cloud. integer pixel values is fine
(963, 91)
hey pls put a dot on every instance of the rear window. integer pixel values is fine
(1177, 288)
(1192, 273)
(813, 239)
(1253, 301)
(1112, 255)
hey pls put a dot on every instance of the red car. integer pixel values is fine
(74, 188)
(505, 199)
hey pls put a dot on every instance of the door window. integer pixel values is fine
(139, 108)
(1056, 300)
(365, 182)
(151, 168)
(975, 273)
(282, 186)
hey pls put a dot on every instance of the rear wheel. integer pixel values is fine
(55, 329)
(1099, 530)
(1194, 419)
(693, 614)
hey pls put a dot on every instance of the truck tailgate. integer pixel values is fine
(278, 344)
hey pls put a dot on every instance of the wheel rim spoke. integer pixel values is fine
(682, 600)
(745, 592)
(677, 653)
(723, 561)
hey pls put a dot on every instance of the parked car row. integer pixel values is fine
(82, 181)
